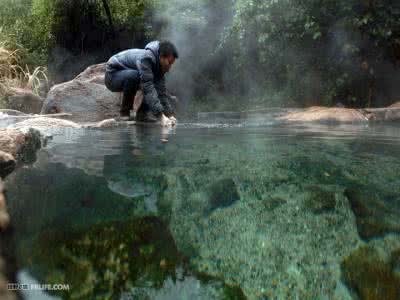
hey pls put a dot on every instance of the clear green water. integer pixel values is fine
(238, 210)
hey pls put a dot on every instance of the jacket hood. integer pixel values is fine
(154, 47)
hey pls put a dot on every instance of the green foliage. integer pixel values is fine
(314, 52)
(76, 25)
(25, 30)
(315, 49)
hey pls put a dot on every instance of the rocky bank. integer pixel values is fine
(16, 148)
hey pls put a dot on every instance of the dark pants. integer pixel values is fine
(125, 81)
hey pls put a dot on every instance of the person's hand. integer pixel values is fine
(165, 121)
(173, 120)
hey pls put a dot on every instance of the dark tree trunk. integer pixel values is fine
(108, 13)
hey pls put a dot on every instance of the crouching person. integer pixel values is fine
(137, 71)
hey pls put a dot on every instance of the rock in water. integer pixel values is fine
(370, 271)
(375, 217)
(320, 201)
(128, 250)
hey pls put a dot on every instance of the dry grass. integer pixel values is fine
(14, 76)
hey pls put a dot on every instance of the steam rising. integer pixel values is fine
(196, 30)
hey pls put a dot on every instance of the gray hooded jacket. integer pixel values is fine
(147, 62)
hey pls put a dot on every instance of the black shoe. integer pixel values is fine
(147, 117)
(124, 117)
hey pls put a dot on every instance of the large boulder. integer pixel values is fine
(93, 73)
(85, 97)
(24, 100)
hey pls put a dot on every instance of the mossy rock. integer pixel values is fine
(371, 276)
(375, 217)
(106, 259)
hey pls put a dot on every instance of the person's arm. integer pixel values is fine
(150, 94)
(161, 89)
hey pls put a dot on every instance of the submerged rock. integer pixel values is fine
(374, 216)
(370, 271)
(132, 253)
(223, 193)
(319, 200)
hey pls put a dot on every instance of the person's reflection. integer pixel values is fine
(137, 171)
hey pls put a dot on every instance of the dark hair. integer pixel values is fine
(167, 49)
